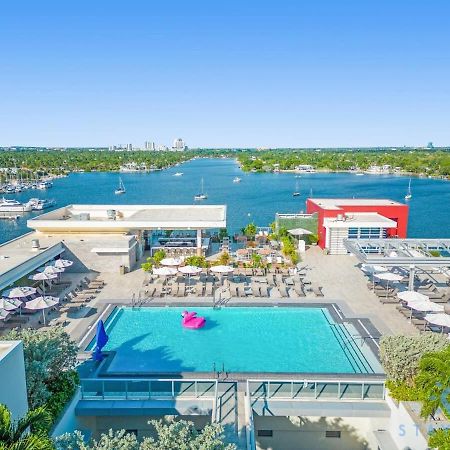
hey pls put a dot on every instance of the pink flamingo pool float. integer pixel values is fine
(190, 320)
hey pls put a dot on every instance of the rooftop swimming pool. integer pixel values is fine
(235, 339)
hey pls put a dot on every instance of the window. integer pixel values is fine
(265, 433)
(332, 434)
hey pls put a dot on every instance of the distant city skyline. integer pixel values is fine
(235, 74)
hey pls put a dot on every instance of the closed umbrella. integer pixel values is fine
(63, 263)
(9, 304)
(43, 276)
(171, 262)
(441, 320)
(101, 339)
(42, 303)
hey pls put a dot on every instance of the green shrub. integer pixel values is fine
(148, 265)
(158, 256)
(197, 261)
(402, 391)
(440, 439)
(400, 355)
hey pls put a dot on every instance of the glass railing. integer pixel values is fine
(146, 389)
(316, 389)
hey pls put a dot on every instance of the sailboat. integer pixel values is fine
(296, 193)
(121, 189)
(201, 195)
(408, 195)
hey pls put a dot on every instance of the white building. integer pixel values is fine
(178, 145)
(13, 388)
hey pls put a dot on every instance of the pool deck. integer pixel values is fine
(343, 284)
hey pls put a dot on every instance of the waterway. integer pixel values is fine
(256, 198)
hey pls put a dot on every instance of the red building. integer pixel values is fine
(340, 219)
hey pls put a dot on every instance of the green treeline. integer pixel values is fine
(55, 162)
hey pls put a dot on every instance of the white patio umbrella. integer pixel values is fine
(4, 314)
(165, 271)
(222, 269)
(42, 303)
(388, 276)
(63, 263)
(299, 232)
(190, 270)
(9, 304)
(441, 320)
(372, 269)
(424, 306)
(414, 296)
(171, 262)
(43, 276)
(51, 269)
(19, 292)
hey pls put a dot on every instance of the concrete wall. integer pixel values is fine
(101, 424)
(307, 433)
(13, 388)
(403, 429)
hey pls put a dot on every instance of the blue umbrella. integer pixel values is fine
(101, 338)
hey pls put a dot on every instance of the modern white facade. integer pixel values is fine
(178, 145)
(13, 387)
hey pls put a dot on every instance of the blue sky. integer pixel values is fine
(225, 73)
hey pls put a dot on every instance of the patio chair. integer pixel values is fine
(181, 291)
(264, 290)
(158, 290)
(317, 290)
(241, 290)
(283, 291)
(199, 288)
(298, 289)
(255, 289)
(270, 279)
(209, 289)
(279, 279)
(233, 289)
(150, 290)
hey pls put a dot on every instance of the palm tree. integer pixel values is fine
(433, 380)
(15, 435)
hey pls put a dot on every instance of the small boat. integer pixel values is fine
(44, 185)
(38, 204)
(201, 195)
(121, 189)
(408, 195)
(237, 180)
(296, 193)
(178, 174)
(10, 205)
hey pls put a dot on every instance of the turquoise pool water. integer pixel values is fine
(258, 339)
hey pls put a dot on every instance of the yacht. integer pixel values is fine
(201, 195)
(408, 195)
(10, 205)
(178, 174)
(296, 193)
(38, 204)
(236, 180)
(121, 189)
(44, 185)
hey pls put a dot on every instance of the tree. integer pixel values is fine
(47, 354)
(158, 256)
(433, 379)
(440, 439)
(400, 355)
(15, 435)
(250, 230)
(197, 261)
(182, 435)
(175, 435)
(224, 258)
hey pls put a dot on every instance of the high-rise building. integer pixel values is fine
(178, 145)
(150, 146)
(129, 147)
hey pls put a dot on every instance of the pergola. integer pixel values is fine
(408, 253)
